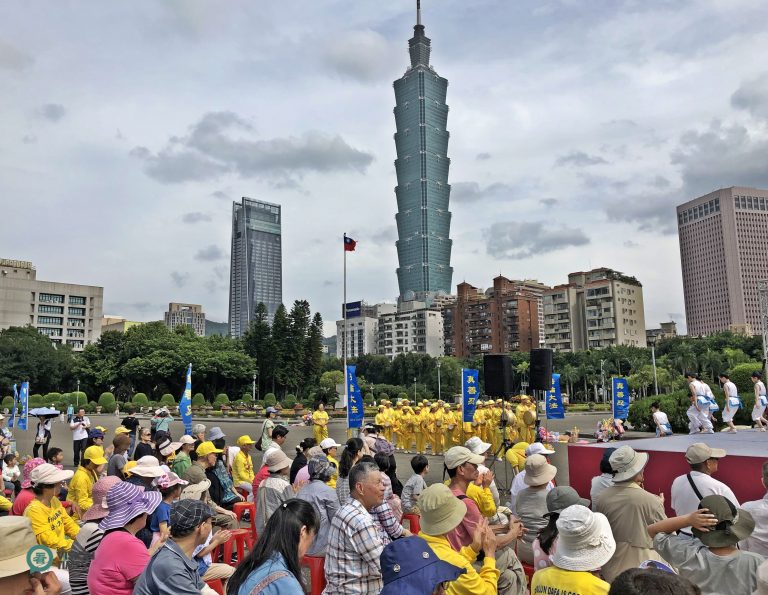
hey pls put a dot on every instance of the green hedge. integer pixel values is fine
(107, 402)
(7, 403)
(198, 400)
(167, 400)
(140, 400)
(289, 401)
(270, 400)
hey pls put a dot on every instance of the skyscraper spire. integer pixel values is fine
(418, 12)
(419, 44)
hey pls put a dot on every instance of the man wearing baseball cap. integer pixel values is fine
(689, 489)
(242, 466)
(462, 467)
(518, 483)
(196, 474)
(87, 474)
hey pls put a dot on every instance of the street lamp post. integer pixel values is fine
(653, 360)
(602, 381)
(254, 388)
(414, 389)
(77, 394)
(439, 395)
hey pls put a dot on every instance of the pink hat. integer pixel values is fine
(28, 466)
(99, 509)
(169, 480)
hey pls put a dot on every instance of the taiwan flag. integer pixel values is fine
(349, 244)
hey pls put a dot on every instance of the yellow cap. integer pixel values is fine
(102, 429)
(207, 448)
(128, 466)
(244, 440)
(95, 454)
(122, 430)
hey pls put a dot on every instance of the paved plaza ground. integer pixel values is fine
(234, 427)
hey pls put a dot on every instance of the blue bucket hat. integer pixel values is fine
(410, 567)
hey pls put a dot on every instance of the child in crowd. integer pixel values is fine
(12, 473)
(663, 427)
(56, 458)
(170, 486)
(415, 485)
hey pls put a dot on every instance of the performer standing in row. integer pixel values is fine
(732, 401)
(698, 412)
(760, 400)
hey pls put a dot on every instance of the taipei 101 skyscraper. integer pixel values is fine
(423, 219)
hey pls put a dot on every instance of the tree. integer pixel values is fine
(313, 356)
(281, 335)
(107, 402)
(25, 354)
(257, 343)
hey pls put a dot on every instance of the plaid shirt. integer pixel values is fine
(354, 547)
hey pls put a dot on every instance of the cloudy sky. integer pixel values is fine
(576, 127)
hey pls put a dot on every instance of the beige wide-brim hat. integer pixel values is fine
(195, 491)
(626, 462)
(538, 471)
(17, 539)
(148, 466)
(441, 511)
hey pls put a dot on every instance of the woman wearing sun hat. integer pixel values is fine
(585, 543)
(26, 495)
(122, 557)
(89, 537)
(557, 501)
(531, 503)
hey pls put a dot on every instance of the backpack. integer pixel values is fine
(383, 446)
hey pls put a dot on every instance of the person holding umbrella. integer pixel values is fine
(45, 417)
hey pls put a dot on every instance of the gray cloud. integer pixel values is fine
(29, 139)
(386, 235)
(483, 156)
(579, 159)
(51, 111)
(195, 217)
(650, 213)
(210, 253)
(516, 240)
(221, 271)
(220, 194)
(470, 192)
(549, 202)
(660, 182)
(364, 56)
(630, 244)
(752, 96)
(179, 279)
(211, 150)
(12, 58)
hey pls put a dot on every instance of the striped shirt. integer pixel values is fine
(81, 556)
(354, 547)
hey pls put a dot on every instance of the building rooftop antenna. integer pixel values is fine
(418, 12)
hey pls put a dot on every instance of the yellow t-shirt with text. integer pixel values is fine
(556, 581)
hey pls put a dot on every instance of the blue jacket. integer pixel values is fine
(287, 585)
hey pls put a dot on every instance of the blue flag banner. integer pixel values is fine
(620, 398)
(554, 399)
(355, 409)
(470, 393)
(15, 401)
(185, 404)
(24, 400)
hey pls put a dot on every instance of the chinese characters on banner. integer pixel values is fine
(620, 398)
(13, 411)
(355, 410)
(21, 423)
(554, 399)
(470, 392)
(185, 404)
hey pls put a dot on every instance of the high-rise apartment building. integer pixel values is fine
(362, 324)
(67, 313)
(502, 319)
(256, 273)
(186, 315)
(595, 309)
(724, 252)
(423, 219)
(414, 327)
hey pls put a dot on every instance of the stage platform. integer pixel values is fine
(741, 469)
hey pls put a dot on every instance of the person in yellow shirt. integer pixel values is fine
(397, 426)
(330, 446)
(242, 466)
(449, 426)
(87, 474)
(409, 421)
(51, 524)
(5, 504)
(441, 513)
(512, 433)
(420, 429)
(389, 420)
(526, 419)
(436, 428)
(381, 417)
(584, 543)
(320, 421)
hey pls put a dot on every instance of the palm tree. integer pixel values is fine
(684, 358)
(712, 363)
(569, 374)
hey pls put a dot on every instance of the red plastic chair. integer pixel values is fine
(316, 565)
(216, 585)
(413, 522)
(529, 570)
(239, 509)
(238, 539)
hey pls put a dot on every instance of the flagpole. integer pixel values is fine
(344, 334)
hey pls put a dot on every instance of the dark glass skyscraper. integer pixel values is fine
(423, 218)
(256, 273)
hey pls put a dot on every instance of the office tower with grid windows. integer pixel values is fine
(723, 254)
(423, 219)
(256, 273)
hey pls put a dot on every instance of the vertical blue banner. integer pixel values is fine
(470, 393)
(620, 398)
(355, 408)
(554, 399)
(15, 401)
(24, 399)
(185, 403)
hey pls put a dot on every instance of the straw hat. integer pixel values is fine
(47, 474)
(458, 455)
(627, 463)
(147, 466)
(538, 471)
(17, 539)
(585, 541)
(441, 511)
